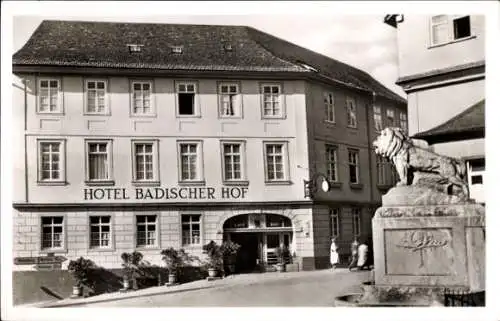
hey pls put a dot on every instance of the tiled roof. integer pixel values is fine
(104, 44)
(467, 124)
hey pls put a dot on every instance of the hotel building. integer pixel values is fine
(132, 136)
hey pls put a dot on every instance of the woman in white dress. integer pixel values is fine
(334, 254)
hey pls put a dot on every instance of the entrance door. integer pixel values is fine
(246, 260)
(272, 241)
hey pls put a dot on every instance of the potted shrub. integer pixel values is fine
(215, 258)
(173, 260)
(131, 262)
(79, 269)
(281, 254)
(229, 253)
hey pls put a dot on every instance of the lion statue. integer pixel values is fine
(410, 159)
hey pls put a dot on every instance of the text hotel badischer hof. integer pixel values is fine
(112, 164)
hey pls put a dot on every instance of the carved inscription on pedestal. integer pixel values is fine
(421, 240)
(426, 251)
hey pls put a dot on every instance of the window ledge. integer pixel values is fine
(329, 122)
(335, 184)
(280, 117)
(94, 250)
(45, 183)
(236, 183)
(152, 248)
(146, 183)
(451, 41)
(187, 116)
(352, 127)
(55, 251)
(48, 113)
(356, 185)
(194, 183)
(235, 117)
(143, 115)
(384, 186)
(96, 114)
(100, 183)
(278, 182)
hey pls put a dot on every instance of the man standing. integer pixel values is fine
(354, 254)
(363, 256)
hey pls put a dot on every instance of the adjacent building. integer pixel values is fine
(442, 70)
(132, 136)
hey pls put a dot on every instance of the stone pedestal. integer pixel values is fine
(421, 240)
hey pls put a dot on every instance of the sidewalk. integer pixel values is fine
(232, 280)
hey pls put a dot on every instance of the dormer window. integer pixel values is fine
(177, 49)
(228, 47)
(306, 66)
(134, 48)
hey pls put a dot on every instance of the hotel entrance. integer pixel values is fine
(260, 235)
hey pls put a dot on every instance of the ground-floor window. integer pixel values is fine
(335, 222)
(191, 229)
(52, 232)
(100, 231)
(147, 230)
(356, 222)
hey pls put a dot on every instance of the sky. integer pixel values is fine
(363, 41)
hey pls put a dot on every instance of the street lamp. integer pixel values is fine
(317, 181)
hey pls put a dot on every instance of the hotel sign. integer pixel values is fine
(165, 193)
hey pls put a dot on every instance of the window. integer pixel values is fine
(377, 118)
(96, 96)
(445, 29)
(439, 29)
(403, 122)
(356, 222)
(390, 118)
(100, 231)
(229, 100)
(48, 96)
(275, 161)
(331, 162)
(186, 99)
(476, 171)
(141, 98)
(52, 232)
(351, 113)
(190, 161)
(386, 173)
(191, 229)
(147, 235)
(461, 27)
(353, 166)
(335, 222)
(99, 161)
(271, 101)
(51, 161)
(145, 161)
(233, 161)
(329, 107)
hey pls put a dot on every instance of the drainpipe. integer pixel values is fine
(26, 189)
(368, 136)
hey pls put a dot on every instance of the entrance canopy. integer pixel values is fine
(251, 223)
